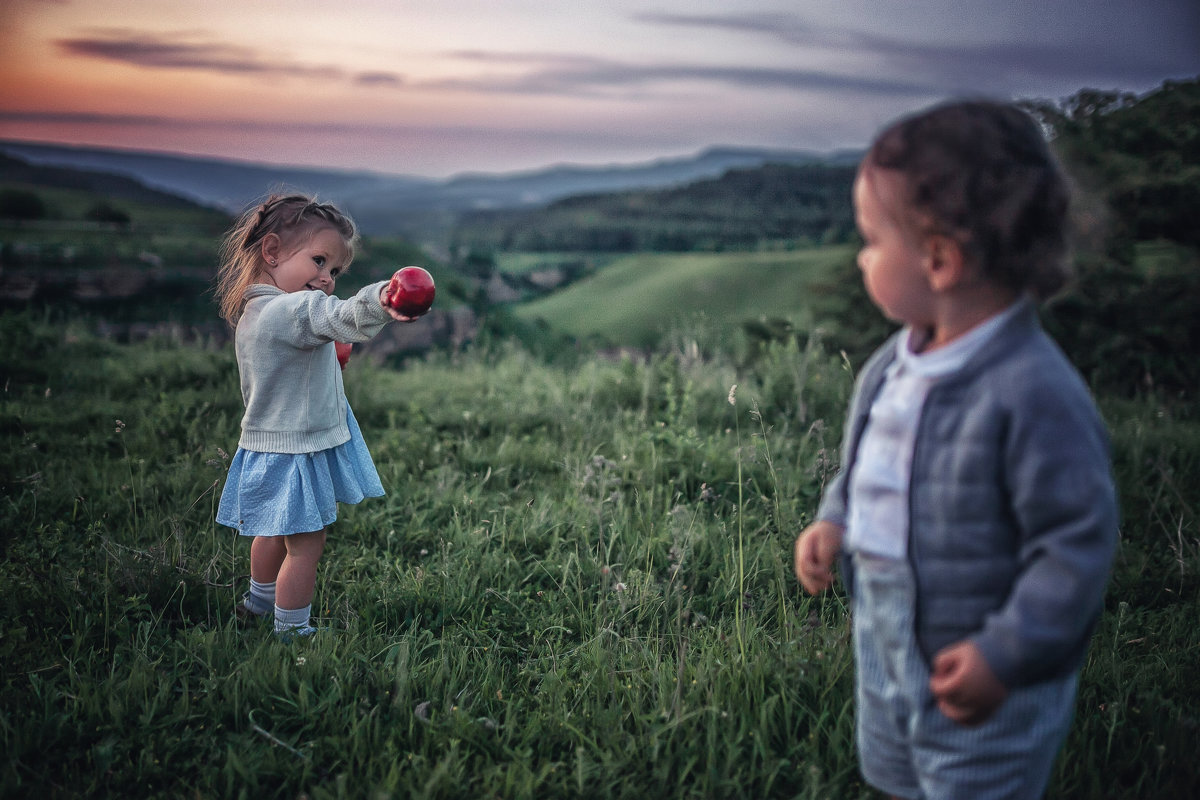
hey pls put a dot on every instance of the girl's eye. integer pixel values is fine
(319, 260)
(333, 273)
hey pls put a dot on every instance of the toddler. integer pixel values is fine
(974, 514)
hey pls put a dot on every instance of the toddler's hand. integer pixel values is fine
(966, 689)
(817, 548)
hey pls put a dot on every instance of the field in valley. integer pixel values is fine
(633, 299)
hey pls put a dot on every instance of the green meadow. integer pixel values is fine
(578, 585)
(631, 300)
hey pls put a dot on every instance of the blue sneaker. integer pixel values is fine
(247, 616)
(302, 632)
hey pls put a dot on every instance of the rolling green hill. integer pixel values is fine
(631, 301)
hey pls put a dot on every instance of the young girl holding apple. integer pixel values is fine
(974, 513)
(301, 451)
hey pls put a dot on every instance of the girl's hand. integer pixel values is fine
(966, 689)
(817, 547)
(393, 313)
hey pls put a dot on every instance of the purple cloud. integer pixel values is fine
(577, 75)
(947, 64)
(187, 51)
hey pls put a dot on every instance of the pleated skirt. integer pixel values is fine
(278, 494)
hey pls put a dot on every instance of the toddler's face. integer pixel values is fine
(893, 254)
(314, 265)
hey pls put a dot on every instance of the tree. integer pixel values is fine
(1128, 330)
(22, 205)
(107, 213)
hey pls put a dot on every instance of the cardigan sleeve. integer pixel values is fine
(1063, 499)
(316, 318)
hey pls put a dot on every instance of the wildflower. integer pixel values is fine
(120, 426)
(422, 711)
(301, 661)
(732, 392)
(618, 587)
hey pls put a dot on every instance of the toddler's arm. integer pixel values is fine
(966, 689)
(817, 548)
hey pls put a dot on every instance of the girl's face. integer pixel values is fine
(893, 255)
(314, 265)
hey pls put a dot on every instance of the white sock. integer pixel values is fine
(286, 619)
(262, 597)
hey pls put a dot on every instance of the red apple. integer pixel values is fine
(410, 291)
(343, 352)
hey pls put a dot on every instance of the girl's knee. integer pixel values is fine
(305, 544)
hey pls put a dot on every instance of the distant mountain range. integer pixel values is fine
(384, 204)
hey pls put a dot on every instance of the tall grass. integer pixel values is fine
(579, 584)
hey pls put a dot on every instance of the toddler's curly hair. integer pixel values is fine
(982, 173)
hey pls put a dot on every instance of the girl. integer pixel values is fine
(974, 513)
(301, 451)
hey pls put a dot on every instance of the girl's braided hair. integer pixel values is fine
(293, 218)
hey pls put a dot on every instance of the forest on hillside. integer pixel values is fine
(780, 205)
(1130, 321)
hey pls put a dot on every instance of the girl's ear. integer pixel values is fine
(944, 262)
(270, 248)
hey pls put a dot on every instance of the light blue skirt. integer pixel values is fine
(278, 494)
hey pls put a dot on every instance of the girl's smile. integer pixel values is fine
(315, 265)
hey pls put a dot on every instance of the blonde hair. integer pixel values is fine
(293, 218)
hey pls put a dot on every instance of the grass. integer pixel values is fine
(579, 584)
(628, 302)
(519, 263)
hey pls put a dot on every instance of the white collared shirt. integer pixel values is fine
(879, 482)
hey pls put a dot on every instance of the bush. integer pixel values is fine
(109, 214)
(22, 205)
(1128, 332)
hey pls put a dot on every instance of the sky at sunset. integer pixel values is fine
(453, 86)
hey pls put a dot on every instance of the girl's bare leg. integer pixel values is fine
(297, 574)
(266, 556)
